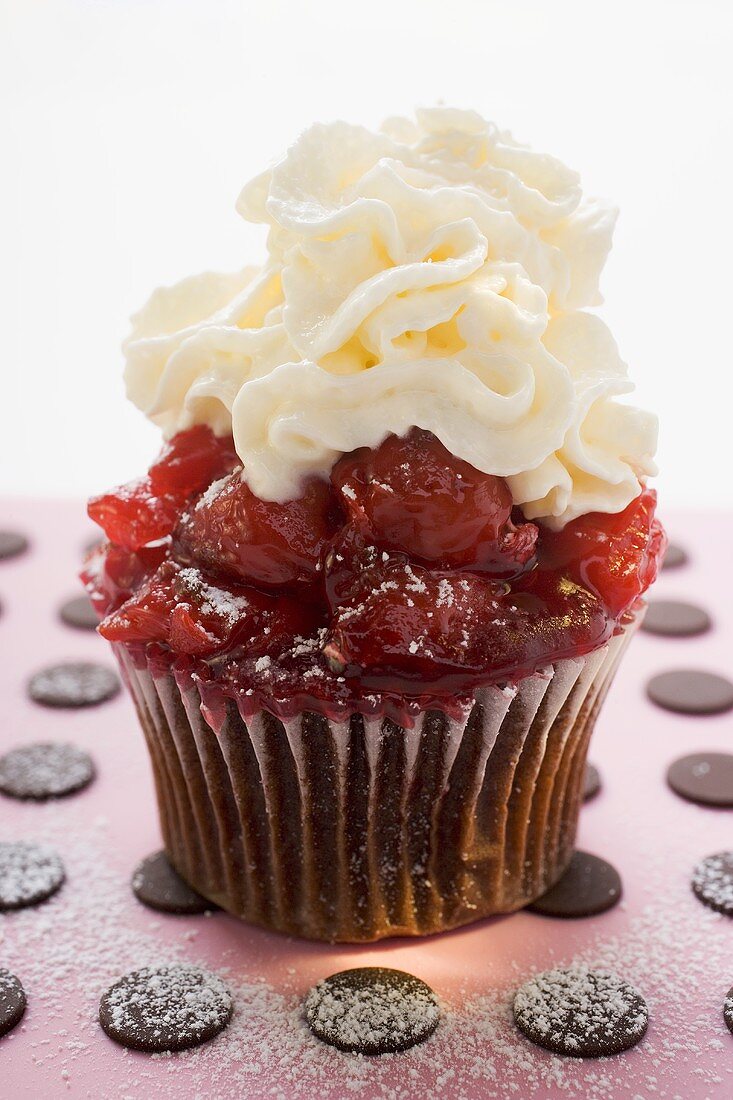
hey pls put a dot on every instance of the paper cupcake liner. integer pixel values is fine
(356, 830)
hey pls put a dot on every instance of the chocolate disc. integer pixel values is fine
(165, 1008)
(29, 873)
(589, 886)
(712, 882)
(156, 883)
(728, 1010)
(688, 691)
(581, 1012)
(591, 782)
(12, 1001)
(372, 1010)
(704, 777)
(73, 684)
(675, 619)
(674, 557)
(12, 543)
(45, 769)
(79, 613)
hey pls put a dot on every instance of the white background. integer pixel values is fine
(128, 127)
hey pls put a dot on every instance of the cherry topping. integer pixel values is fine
(615, 555)
(132, 515)
(232, 532)
(147, 510)
(394, 618)
(182, 608)
(190, 461)
(416, 578)
(413, 495)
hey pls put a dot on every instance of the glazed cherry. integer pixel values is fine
(147, 510)
(132, 515)
(182, 608)
(190, 461)
(616, 555)
(396, 621)
(411, 494)
(233, 533)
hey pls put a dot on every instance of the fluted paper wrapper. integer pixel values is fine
(352, 831)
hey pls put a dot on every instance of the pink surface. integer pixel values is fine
(66, 953)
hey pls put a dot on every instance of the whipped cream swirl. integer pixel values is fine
(434, 274)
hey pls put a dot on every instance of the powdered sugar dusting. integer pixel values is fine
(580, 1011)
(44, 769)
(712, 882)
(29, 873)
(165, 1007)
(372, 1010)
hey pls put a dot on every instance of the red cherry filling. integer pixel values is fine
(393, 617)
(182, 608)
(147, 510)
(412, 495)
(190, 461)
(424, 576)
(234, 533)
(616, 555)
(132, 515)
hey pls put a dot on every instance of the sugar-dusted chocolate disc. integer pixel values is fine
(589, 886)
(591, 782)
(45, 769)
(12, 543)
(581, 1012)
(372, 1010)
(157, 884)
(712, 882)
(164, 1008)
(704, 777)
(675, 619)
(728, 1010)
(29, 873)
(674, 556)
(79, 613)
(12, 1001)
(73, 684)
(689, 691)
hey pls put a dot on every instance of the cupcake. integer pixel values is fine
(369, 597)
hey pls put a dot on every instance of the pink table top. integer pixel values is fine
(66, 952)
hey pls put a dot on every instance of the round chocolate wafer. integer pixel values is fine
(674, 556)
(690, 691)
(591, 782)
(73, 684)
(165, 1008)
(12, 1001)
(372, 1010)
(79, 613)
(728, 1010)
(157, 884)
(12, 543)
(29, 873)
(712, 882)
(675, 619)
(703, 777)
(45, 769)
(581, 1012)
(589, 886)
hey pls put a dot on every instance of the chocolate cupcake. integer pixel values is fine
(369, 598)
